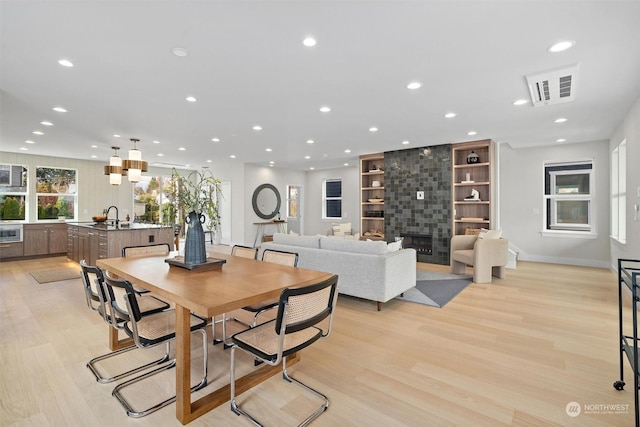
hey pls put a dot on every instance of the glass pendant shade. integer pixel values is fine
(114, 168)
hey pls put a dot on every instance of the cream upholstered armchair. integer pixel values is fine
(486, 252)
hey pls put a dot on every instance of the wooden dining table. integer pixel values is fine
(238, 283)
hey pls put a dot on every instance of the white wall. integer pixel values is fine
(521, 203)
(255, 176)
(314, 224)
(629, 130)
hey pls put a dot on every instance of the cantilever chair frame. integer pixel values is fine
(292, 318)
(240, 251)
(133, 316)
(99, 297)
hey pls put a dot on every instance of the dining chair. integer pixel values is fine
(242, 252)
(148, 331)
(296, 326)
(276, 257)
(146, 250)
(93, 277)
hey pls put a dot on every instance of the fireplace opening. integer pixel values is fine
(422, 243)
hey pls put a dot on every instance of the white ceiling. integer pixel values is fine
(247, 66)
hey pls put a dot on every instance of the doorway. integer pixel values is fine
(294, 209)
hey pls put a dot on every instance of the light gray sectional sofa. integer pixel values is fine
(365, 269)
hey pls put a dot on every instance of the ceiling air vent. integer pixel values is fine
(554, 86)
(167, 165)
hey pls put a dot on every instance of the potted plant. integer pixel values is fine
(195, 199)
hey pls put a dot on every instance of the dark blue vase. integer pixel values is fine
(195, 251)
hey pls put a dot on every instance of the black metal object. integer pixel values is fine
(422, 243)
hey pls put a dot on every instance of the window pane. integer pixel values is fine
(13, 179)
(52, 207)
(12, 207)
(334, 208)
(55, 180)
(572, 184)
(333, 189)
(572, 212)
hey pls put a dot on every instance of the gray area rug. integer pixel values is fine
(435, 289)
(55, 275)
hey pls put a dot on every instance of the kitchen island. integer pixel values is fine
(91, 241)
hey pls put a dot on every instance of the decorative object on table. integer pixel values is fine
(195, 196)
(376, 200)
(208, 264)
(474, 197)
(473, 158)
(468, 180)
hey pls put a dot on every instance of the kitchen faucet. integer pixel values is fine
(109, 209)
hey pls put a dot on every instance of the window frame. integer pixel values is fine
(552, 200)
(326, 198)
(73, 193)
(618, 194)
(24, 195)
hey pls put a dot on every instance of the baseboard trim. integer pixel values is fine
(567, 261)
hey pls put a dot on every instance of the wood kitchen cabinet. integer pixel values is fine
(91, 242)
(11, 250)
(44, 239)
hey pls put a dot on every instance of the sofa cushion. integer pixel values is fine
(355, 246)
(394, 246)
(303, 241)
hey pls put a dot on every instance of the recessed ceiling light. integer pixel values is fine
(272, 162)
(94, 146)
(309, 42)
(46, 123)
(215, 139)
(310, 141)
(519, 102)
(405, 142)
(307, 157)
(233, 156)
(65, 63)
(311, 168)
(24, 148)
(208, 161)
(180, 51)
(373, 129)
(414, 85)
(182, 149)
(561, 46)
(560, 120)
(156, 142)
(115, 135)
(472, 132)
(93, 156)
(37, 132)
(59, 109)
(325, 109)
(268, 149)
(191, 98)
(346, 164)
(347, 151)
(257, 127)
(28, 141)
(160, 155)
(450, 115)
(561, 140)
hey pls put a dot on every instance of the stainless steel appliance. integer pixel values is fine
(10, 233)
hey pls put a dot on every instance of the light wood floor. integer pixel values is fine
(514, 352)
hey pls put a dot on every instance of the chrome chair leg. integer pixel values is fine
(132, 412)
(223, 322)
(105, 380)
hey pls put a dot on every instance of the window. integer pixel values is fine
(13, 192)
(568, 196)
(150, 203)
(332, 199)
(619, 192)
(57, 193)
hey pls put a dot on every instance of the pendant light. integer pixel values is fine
(114, 168)
(134, 165)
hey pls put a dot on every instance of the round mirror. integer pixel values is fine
(266, 201)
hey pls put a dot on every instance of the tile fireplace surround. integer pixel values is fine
(407, 172)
